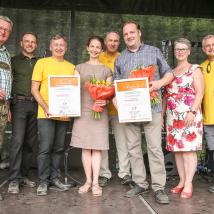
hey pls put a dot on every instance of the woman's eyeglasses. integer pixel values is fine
(208, 67)
(181, 50)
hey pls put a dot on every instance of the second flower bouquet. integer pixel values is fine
(147, 72)
(99, 90)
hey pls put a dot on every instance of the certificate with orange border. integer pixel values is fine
(64, 96)
(133, 100)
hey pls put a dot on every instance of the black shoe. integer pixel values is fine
(161, 197)
(57, 183)
(137, 190)
(1, 197)
(211, 189)
(126, 180)
(103, 181)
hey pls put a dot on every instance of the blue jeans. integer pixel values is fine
(51, 147)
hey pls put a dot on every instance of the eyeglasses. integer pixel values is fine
(181, 49)
(208, 67)
(4, 29)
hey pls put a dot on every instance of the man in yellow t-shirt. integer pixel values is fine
(208, 100)
(112, 41)
(52, 131)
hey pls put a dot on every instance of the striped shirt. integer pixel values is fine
(146, 55)
(5, 72)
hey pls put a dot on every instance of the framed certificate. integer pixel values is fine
(133, 100)
(64, 96)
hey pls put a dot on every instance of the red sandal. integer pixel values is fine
(176, 190)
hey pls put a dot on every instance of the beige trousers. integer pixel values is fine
(152, 132)
(122, 151)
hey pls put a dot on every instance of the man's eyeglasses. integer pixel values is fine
(208, 67)
(5, 30)
(181, 49)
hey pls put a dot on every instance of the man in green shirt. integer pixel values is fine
(24, 114)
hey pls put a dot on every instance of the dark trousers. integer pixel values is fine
(51, 147)
(24, 137)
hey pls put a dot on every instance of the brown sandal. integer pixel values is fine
(96, 190)
(85, 188)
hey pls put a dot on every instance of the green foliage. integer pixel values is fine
(154, 29)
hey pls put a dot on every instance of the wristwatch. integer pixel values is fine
(193, 112)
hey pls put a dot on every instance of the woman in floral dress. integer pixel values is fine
(182, 104)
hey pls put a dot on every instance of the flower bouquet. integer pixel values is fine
(147, 72)
(99, 90)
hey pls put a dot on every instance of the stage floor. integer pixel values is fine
(112, 201)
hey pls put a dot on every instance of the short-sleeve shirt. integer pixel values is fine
(43, 69)
(5, 72)
(22, 69)
(208, 99)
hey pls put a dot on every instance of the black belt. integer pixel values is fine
(24, 98)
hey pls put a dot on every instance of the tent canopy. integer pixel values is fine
(183, 8)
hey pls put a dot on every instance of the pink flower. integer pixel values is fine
(199, 124)
(190, 137)
(178, 80)
(180, 144)
(181, 90)
(188, 100)
(170, 128)
(178, 96)
(169, 148)
(178, 124)
(168, 86)
(171, 140)
(186, 90)
(171, 105)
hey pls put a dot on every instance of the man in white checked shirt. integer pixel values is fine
(6, 26)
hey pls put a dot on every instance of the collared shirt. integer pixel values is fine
(5, 72)
(22, 69)
(146, 55)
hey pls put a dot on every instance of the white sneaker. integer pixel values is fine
(4, 165)
(13, 187)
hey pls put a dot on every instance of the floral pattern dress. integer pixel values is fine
(180, 95)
